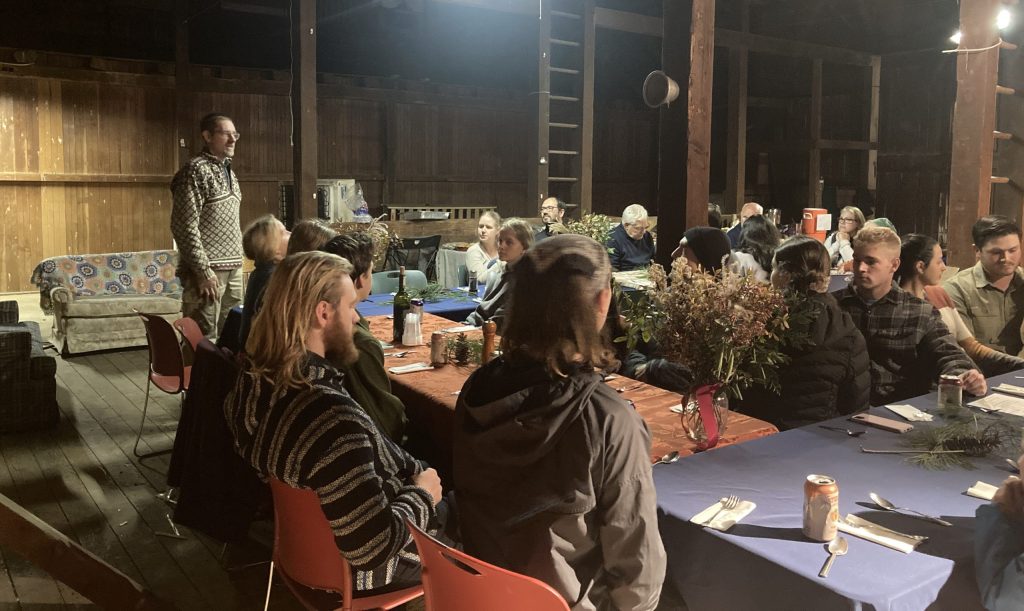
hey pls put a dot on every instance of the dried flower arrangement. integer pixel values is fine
(383, 238)
(727, 328)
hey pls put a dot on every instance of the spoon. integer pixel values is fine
(836, 548)
(843, 430)
(669, 458)
(888, 506)
(1010, 462)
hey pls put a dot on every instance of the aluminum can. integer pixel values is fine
(821, 507)
(438, 346)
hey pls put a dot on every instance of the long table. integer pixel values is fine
(453, 308)
(764, 562)
(430, 398)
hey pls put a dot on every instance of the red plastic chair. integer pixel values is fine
(167, 369)
(306, 555)
(190, 330)
(456, 581)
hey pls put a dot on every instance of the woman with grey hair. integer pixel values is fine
(552, 468)
(630, 245)
(514, 239)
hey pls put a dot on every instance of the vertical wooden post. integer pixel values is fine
(698, 112)
(540, 116)
(586, 156)
(187, 125)
(970, 170)
(871, 171)
(736, 153)
(675, 61)
(814, 154)
(304, 134)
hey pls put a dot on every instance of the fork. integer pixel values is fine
(728, 503)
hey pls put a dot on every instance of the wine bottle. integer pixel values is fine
(402, 304)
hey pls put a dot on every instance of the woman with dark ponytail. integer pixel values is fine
(827, 375)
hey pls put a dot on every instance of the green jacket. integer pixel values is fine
(367, 382)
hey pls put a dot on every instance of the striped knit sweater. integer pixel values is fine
(319, 438)
(204, 217)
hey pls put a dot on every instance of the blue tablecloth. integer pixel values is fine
(766, 563)
(838, 282)
(452, 308)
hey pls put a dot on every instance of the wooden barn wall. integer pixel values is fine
(915, 121)
(625, 160)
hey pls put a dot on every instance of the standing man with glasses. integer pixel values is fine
(552, 210)
(206, 226)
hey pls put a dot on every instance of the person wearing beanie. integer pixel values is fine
(705, 247)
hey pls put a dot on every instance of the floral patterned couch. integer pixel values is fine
(93, 298)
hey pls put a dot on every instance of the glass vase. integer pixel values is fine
(693, 422)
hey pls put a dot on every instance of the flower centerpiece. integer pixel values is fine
(727, 329)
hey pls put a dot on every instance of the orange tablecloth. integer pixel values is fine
(430, 397)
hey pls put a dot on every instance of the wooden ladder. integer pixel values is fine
(561, 159)
(1007, 136)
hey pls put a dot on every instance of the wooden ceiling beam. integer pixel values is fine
(790, 48)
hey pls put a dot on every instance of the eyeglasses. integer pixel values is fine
(234, 135)
(548, 208)
(842, 220)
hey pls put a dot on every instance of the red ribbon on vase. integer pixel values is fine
(706, 409)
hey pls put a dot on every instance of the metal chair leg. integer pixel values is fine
(142, 426)
(270, 583)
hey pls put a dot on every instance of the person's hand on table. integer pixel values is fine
(208, 288)
(431, 482)
(1010, 496)
(974, 382)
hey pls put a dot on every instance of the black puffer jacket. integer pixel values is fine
(825, 379)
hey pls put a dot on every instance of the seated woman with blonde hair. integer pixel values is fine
(920, 274)
(265, 241)
(514, 239)
(482, 257)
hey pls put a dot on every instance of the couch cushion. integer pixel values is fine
(121, 305)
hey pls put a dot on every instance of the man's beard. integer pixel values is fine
(342, 351)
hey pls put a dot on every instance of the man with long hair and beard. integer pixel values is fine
(293, 420)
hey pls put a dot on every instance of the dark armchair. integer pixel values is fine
(28, 385)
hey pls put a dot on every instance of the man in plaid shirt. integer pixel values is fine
(908, 344)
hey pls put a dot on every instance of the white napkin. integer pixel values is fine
(1010, 389)
(910, 413)
(385, 345)
(726, 519)
(981, 490)
(461, 329)
(409, 368)
(876, 533)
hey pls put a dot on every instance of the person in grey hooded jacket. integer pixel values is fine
(552, 468)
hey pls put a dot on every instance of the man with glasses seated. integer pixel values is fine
(990, 295)
(552, 210)
(630, 245)
(206, 227)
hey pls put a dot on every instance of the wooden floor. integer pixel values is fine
(83, 479)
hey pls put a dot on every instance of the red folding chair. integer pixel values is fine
(306, 555)
(190, 330)
(456, 581)
(167, 369)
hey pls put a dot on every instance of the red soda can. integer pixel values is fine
(821, 507)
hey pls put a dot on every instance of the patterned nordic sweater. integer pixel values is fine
(204, 218)
(318, 438)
